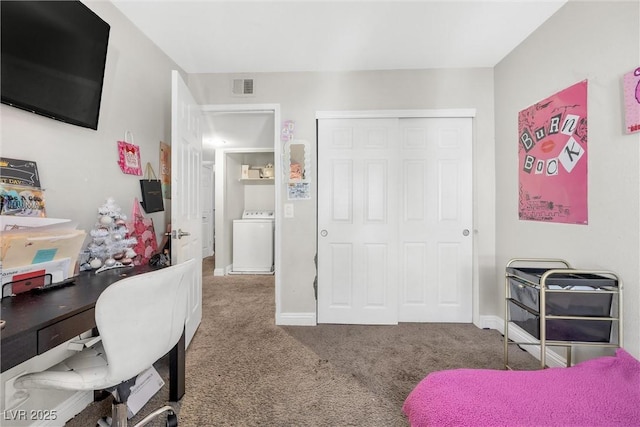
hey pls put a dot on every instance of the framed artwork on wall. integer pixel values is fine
(552, 156)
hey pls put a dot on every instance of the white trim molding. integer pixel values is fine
(296, 319)
(277, 154)
(403, 114)
(235, 108)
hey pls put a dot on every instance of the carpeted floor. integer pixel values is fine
(242, 370)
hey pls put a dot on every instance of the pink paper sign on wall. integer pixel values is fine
(631, 83)
(129, 158)
(552, 155)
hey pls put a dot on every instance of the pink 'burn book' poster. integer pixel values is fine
(631, 82)
(552, 155)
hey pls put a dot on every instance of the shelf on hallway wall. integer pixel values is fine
(257, 180)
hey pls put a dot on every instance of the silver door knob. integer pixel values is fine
(465, 232)
(179, 234)
(324, 233)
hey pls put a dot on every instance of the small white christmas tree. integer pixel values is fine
(110, 248)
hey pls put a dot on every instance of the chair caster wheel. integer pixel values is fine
(172, 420)
(104, 422)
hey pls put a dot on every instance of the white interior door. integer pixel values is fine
(186, 211)
(435, 220)
(207, 192)
(394, 201)
(357, 219)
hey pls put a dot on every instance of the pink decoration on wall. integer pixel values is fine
(129, 158)
(631, 84)
(552, 155)
(143, 230)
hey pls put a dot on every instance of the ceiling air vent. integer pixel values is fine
(242, 87)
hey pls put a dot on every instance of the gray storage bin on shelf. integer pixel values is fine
(570, 303)
(560, 329)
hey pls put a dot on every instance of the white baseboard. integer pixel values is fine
(517, 334)
(296, 319)
(34, 411)
(222, 271)
(492, 322)
(73, 406)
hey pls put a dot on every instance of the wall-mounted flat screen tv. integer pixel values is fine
(53, 58)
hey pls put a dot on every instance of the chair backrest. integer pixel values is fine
(140, 318)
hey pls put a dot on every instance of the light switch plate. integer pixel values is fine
(288, 210)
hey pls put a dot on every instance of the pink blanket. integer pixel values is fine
(599, 392)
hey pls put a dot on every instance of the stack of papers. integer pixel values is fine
(44, 250)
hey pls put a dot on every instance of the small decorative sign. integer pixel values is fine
(20, 192)
(298, 191)
(21, 200)
(129, 158)
(19, 172)
(286, 133)
(631, 83)
(165, 169)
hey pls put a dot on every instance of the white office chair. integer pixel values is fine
(140, 319)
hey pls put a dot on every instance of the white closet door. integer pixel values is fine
(436, 220)
(357, 221)
(394, 220)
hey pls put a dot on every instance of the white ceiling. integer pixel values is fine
(214, 36)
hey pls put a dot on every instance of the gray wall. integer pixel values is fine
(300, 95)
(78, 167)
(598, 41)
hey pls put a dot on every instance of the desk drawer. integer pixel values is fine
(64, 330)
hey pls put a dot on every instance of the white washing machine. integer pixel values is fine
(253, 242)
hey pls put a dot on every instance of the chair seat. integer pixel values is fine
(87, 370)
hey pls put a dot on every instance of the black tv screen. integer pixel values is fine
(53, 59)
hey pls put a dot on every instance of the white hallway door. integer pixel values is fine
(394, 220)
(186, 213)
(207, 197)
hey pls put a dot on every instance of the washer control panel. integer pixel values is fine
(257, 214)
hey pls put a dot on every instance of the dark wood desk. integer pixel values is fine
(37, 321)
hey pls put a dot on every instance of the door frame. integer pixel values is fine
(426, 113)
(277, 160)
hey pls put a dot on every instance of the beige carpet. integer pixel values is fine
(242, 370)
(258, 374)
